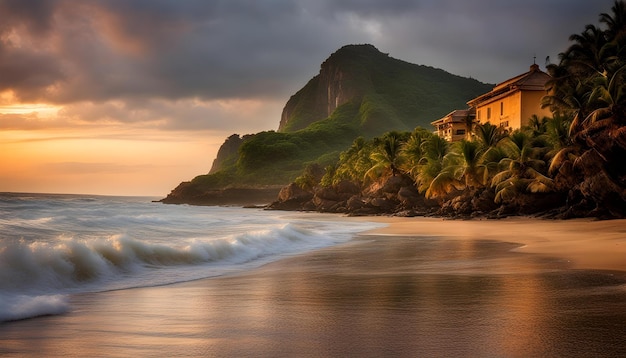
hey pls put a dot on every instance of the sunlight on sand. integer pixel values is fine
(587, 244)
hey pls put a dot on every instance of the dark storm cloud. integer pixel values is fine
(69, 51)
(117, 49)
(34, 15)
(491, 40)
(26, 69)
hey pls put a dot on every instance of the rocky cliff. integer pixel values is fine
(227, 154)
(337, 83)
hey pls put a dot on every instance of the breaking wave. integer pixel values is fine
(52, 246)
(32, 274)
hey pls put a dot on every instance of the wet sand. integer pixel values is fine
(418, 288)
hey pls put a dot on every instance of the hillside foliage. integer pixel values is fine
(385, 94)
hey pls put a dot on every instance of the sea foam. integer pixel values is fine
(52, 246)
(17, 307)
(34, 276)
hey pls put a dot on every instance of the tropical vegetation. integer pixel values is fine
(371, 93)
(576, 158)
(568, 165)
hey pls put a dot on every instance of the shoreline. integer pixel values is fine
(400, 290)
(585, 243)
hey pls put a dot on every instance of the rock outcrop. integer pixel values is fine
(228, 152)
(398, 195)
(393, 195)
(336, 84)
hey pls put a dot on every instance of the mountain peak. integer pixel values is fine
(402, 94)
(356, 49)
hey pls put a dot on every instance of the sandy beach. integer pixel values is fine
(585, 243)
(420, 287)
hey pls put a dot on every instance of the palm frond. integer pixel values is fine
(561, 157)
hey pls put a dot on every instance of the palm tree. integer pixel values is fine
(566, 95)
(537, 125)
(413, 151)
(435, 178)
(489, 135)
(354, 162)
(604, 129)
(521, 170)
(386, 157)
(572, 79)
(557, 131)
(589, 53)
(616, 21)
(564, 152)
(466, 162)
(588, 86)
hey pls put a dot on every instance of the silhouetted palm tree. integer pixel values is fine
(589, 86)
(537, 125)
(615, 21)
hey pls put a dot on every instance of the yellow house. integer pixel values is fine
(453, 126)
(511, 103)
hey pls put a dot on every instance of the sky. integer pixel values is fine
(131, 97)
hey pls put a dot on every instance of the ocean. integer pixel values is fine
(55, 246)
(86, 276)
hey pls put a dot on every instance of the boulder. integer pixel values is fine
(291, 197)
(293, 192)
(484, 200)
(345, 189)
(326, 193)
(355, 203)
(383, 204)
(408, 194)
(393, 184)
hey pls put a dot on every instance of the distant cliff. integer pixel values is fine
(359, 91)
(228, 152)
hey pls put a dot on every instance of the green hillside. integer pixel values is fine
(358, 92)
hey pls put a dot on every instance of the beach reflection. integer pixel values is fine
(401, 297)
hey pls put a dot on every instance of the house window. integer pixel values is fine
(504, 124)
(478, 115)
(460, 131)
(488, 113)
(501, 108)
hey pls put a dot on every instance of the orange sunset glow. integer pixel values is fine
(45, 149)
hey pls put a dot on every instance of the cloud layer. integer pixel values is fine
(148, 60)
(132, 97)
